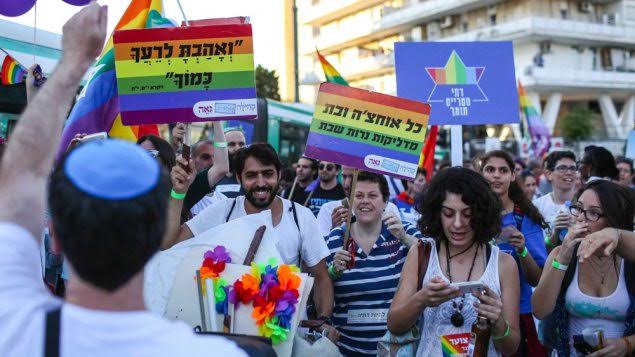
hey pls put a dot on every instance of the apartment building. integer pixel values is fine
(567, 53)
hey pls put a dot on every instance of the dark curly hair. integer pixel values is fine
(515, 192)
(618, 202)
(475, 192)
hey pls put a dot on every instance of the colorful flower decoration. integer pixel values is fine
(273, 293)
(213, 265)
(271, 289)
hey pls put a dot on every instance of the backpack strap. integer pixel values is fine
(295, 216)
(230, 211)
(488, 252)
(52, 333)
(424, 249)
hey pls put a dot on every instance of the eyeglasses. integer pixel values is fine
(328, 167)
(154, 153)
(564, 168)
(590, 215)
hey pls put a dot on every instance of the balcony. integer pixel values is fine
(573, 80)
(553, 29)
(329, 10)
(428, 10)
(371, 66)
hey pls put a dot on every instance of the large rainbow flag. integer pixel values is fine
(12, 71)
(97, 108)
(540, 137)
(332, 75)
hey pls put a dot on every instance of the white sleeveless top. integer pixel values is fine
(609, 312)
(438, 335)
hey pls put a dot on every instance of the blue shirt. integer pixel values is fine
(534, 241)
(363, 294)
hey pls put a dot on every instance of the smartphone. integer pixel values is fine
(505, 234)
(185, 153)
(467, 287)
(94, 137)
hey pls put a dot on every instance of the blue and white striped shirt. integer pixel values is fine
(363, 294)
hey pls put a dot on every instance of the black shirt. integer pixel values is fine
(321, 196)
(229, 187)
(299, 195)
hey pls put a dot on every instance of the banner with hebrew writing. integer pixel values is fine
(465, 82)
(185, 74)
(367, 130)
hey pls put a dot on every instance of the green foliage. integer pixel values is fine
(577, 125)
(267, 83)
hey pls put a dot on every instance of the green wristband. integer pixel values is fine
(548, 242)
(332, 273)
(556, 264)
(498, 338)
(523, 253)
(220, 144)
(176, 195)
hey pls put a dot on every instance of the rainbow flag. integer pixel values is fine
(97, 108)
(426, 159)
(538, 131)
(455, 72)
(332, 75)
(12, 71)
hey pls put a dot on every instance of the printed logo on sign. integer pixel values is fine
(245, 108)
(225, 108)
(367, 316)
(456, 85)
(383, 164)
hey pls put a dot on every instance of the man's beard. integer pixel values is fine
(249, 195)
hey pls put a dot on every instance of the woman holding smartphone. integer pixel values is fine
(522, 237)
(600, 290)
(468, 218)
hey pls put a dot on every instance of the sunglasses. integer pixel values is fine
(328, 167)
(154, 153)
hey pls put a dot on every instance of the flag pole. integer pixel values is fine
(351, 199)
(456, 144)
(187, 137)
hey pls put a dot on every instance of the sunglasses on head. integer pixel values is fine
(328, 167)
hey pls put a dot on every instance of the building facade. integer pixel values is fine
(567, 54)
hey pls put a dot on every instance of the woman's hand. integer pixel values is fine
(489, 305)
(575, 235)
(339, 216)
(435, 292)
(601, 243)
(394, 225)
(613, 347)
(516, 239)
(340, 261)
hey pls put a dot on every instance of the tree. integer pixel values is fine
(577, 125)
(267, 83)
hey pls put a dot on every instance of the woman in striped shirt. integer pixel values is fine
(363, 293)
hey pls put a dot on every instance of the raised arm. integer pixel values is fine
(607, 240)
(221, 157)
(28, 159)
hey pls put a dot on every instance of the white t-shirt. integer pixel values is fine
(548, 209)
(208, 200)
(24, 301)
(307, 243)
(324, 217)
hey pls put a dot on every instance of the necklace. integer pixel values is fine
(463, 251)
(457, 318)
(599, 271)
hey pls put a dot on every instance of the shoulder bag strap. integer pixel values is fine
(230, 211)
(424, 249)
(52, 333)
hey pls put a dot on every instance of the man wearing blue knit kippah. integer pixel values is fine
(108, 203)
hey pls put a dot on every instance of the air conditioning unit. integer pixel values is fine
(585, 7)
(545, 47)
(611, 18)
(447, 22)
(433, 30)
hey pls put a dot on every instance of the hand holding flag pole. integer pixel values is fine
(348, 242)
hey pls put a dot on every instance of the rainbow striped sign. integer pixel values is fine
(455, 345)
(455, 72)
(12, 71)
(367, 130)
(185, 74)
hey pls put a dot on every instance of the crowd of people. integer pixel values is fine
(547, 245)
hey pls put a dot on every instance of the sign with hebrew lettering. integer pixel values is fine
(367, 130)
(185, 74)
(465, 82)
